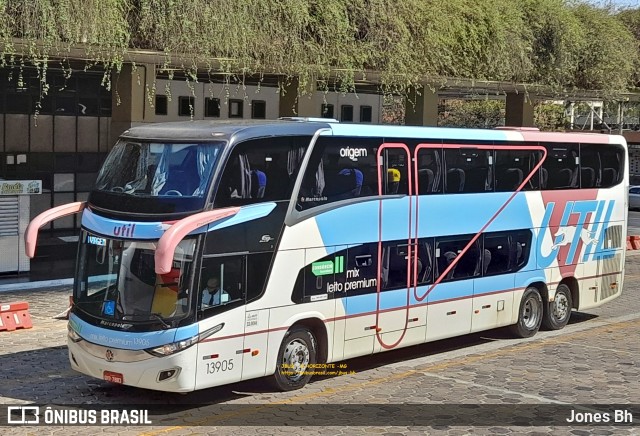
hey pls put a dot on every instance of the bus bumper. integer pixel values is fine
(173, 373)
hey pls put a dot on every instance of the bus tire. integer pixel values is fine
(530, 314)
(558, 311)
(296, 358)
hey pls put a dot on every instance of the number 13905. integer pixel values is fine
(219, 366)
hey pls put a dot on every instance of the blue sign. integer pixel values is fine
(109, 308)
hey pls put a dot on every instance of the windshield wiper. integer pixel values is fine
(157, 317)
(149, 316)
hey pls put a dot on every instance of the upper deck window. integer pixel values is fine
(176, 174)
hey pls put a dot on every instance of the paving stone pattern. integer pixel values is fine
(594, 360)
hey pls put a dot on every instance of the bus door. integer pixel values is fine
(359, 280)
(398, 319)
(221, 303)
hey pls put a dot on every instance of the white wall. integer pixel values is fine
(215, 90)
(311, 106)
(308, 105)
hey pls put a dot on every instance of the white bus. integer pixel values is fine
(212, 253)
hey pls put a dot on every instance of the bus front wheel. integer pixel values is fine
(558, 311)
(529, 314)
(296, 359)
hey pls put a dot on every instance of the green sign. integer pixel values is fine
(328, 267)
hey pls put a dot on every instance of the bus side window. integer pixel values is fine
(429, 171)
(257, 271)
(521, 248)
(561, 168)
(512, 168)
(339, 169)
(261, 170)
(601, 165)
(496, 254)
(221, 281)
(395, 171)
(468, 170)
(447, 251)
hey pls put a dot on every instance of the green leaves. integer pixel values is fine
(552, 42)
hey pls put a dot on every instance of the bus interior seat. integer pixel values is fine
(448, 259)
(544, 177)
(397, 268)
(565, 176)
(393, 181)
(151, 173)
(346, 184)
(425, 276)
(609, 177)
(516, 177)
(478, 179)
(486, 260)
(183, 177)
(258, 183)
(185, 182)
(575, 180)
(455, 180)
(384, 273)
(515, 254)
(588, 177)
(508, 179)
(425, 180)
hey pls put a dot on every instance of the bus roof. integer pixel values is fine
(183, 131)
(221, 130)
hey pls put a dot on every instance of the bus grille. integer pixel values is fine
(613, 237)
(608, 268)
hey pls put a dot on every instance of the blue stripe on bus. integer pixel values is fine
(246, 213)
(130, 340)
(438, 215)
(418, 132)
(154, 230)
(109, 227)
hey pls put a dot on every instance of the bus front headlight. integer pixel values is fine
(71, 334)
(175, 347)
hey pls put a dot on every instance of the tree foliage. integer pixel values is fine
(482, 114)
(557, 43)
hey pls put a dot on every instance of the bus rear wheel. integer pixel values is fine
(529, 315)
(558, 311)
(296, 358)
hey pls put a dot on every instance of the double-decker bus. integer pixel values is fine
(212, 253)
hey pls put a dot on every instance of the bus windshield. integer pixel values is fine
(117, 282)
(149, 169)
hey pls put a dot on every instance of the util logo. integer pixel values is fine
(573, 228)
(125, 230)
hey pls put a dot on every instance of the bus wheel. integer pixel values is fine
(558, 311)
(296, 358)
(529, 315)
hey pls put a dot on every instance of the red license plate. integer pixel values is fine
(113, 377)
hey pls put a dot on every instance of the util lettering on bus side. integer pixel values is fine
(125, 231)
(592, 236)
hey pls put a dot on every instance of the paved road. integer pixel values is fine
(594, 360)
(634, 222)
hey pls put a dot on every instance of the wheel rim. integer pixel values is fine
(560, 307)
(531, 313)
(295, 359)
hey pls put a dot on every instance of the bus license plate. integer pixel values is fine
(113, 377)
